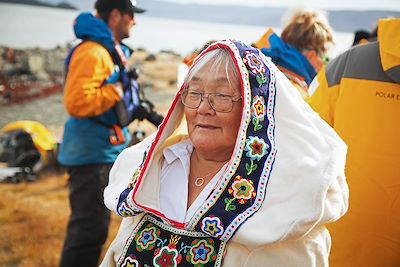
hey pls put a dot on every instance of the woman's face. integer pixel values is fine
(212, 132)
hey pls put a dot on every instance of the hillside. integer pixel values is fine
(340, 20)
(64, 5)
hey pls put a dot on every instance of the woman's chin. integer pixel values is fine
(211, 147)
(204, 143)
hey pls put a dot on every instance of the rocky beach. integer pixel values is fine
(31, 83)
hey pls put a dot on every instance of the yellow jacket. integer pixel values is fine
(84, 93)
(358, 94)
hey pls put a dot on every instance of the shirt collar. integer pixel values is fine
(179, 150)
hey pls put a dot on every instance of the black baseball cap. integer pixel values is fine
(123, 5)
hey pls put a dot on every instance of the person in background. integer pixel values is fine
(301, 50)
(240, 173)
(358, 94)
(363, 36)
(93, 137)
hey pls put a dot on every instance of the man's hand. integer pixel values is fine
(119, 89)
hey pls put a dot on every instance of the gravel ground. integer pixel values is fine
(49, 111)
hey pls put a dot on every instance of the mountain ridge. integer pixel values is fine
(63, 5)
(340, 20)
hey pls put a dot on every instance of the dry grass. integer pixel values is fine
(33, 219)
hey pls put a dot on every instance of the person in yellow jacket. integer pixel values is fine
(358, 94)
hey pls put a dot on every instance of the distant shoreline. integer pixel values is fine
(61, 5)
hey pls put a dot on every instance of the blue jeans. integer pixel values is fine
(88, 224)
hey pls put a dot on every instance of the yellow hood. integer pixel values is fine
(389, 46)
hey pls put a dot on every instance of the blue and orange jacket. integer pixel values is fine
(89, 97)
(299, 68)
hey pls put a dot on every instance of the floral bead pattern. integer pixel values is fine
(212, 225)
(130, 262)
(254, 62)
(166, 257)
(256, 66)
(242, 190)
(256, 148)
(258, 111)
(154, 243)
(147, 238)
(124, 209)
(202, 252)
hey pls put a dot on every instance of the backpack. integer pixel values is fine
(17, 149)
(126, 109)
(19, 157)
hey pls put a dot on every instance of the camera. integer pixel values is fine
(133, 73)
(149, 114)
(145, 110)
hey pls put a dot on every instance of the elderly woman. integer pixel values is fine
(249, 181)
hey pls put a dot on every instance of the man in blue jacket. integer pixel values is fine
(93, 135)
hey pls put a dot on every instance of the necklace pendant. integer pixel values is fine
(199, 181)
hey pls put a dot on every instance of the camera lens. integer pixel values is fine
(155, 118)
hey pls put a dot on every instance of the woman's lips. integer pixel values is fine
(207, 126)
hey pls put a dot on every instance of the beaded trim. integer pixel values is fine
(148, 238)
(211, 210)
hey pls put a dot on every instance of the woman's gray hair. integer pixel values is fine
(216, 58)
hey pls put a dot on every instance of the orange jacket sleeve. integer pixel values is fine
(84, 95)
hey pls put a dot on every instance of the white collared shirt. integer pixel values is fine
(174, 183)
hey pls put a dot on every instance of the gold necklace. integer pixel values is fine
(199, 181)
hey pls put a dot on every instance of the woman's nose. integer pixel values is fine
(205, 106)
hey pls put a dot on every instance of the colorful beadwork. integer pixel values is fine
(166, 257)
(258, 111)
(256, 147)
(130, 262)
(155, 243)
(254, 62)
(201, 252)
(242, 188)
(147, 238)
(212, 225)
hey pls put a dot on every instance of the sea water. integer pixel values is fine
(24, 26)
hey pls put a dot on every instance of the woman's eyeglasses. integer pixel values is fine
(218, 102)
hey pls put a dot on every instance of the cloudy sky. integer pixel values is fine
(320, 4)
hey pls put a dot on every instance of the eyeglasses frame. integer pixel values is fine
(208, 99)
